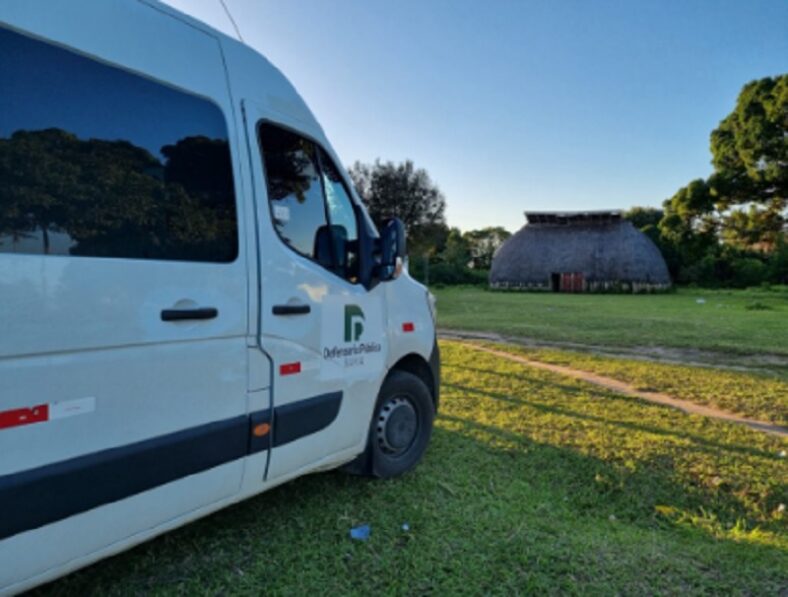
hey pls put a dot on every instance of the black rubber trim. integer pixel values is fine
(302, 418)
(37, 497)
(435, 367)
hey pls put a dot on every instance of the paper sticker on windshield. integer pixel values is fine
(353, 336)
(281, 213)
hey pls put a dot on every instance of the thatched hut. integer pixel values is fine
(579, 252)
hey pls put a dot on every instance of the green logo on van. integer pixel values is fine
(354, 326)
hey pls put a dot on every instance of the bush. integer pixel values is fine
(731, 268)
(778, 263)
(447, 274)
(748, 271)
(703, 273)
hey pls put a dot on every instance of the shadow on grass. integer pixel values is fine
(698, 441)
(529, 517)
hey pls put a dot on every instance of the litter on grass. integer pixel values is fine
(360, 533)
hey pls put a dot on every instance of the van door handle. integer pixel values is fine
(291, 309)
(186, 314)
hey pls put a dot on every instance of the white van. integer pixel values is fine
(194, 305)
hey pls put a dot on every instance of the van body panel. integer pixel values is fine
(76, 541)
(83, 337)
(408, 320)
(302, 341)
(109, 31)
(90, 372)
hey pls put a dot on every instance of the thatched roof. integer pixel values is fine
(567, 218)
(602, 246)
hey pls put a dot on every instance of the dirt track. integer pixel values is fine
(774, 364)
(629, 390)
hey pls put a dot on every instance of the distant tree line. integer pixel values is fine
(726, 230)
(438, 254)
(730, 229)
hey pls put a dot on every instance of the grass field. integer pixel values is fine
(735, 322)
(753, 396)
(534, 483)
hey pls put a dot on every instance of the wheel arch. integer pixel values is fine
(426, 371)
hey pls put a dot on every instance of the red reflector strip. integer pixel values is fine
(290, 368)
(408, 327)
(24, 416)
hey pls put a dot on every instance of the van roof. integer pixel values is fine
(254, 78)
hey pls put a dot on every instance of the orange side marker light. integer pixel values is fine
(261, 430)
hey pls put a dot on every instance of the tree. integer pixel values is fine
(408, 193)
(641, 217)
(750, 158)
(458, 250)
(484, 243)
(689, 225)
(720, 224)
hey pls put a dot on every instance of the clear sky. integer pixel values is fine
(513, 105)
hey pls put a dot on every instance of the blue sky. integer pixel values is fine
(514, 105)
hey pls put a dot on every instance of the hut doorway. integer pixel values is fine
(555, 282)
(567, 282)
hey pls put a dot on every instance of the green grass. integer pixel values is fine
(753, 396)
(738, 322)
(534, 483)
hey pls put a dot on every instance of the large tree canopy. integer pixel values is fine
(750, 158)
(717, 229)
(743, 202)
(750, 147)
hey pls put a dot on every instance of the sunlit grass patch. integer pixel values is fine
(533, 483)
(751, 395)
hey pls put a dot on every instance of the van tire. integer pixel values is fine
(401, 426)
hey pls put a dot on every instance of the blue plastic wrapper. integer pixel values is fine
(360, 533)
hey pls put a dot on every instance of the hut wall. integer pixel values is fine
(611, 256)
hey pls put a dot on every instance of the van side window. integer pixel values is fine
(98, 162)
(294, 191)
(310, 205)
(342, 217)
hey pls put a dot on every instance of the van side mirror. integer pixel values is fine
(331, 247)
(392, 249)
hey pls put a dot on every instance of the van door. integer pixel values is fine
(324, 330)
(123, 304)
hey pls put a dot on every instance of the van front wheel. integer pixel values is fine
(401, 426)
